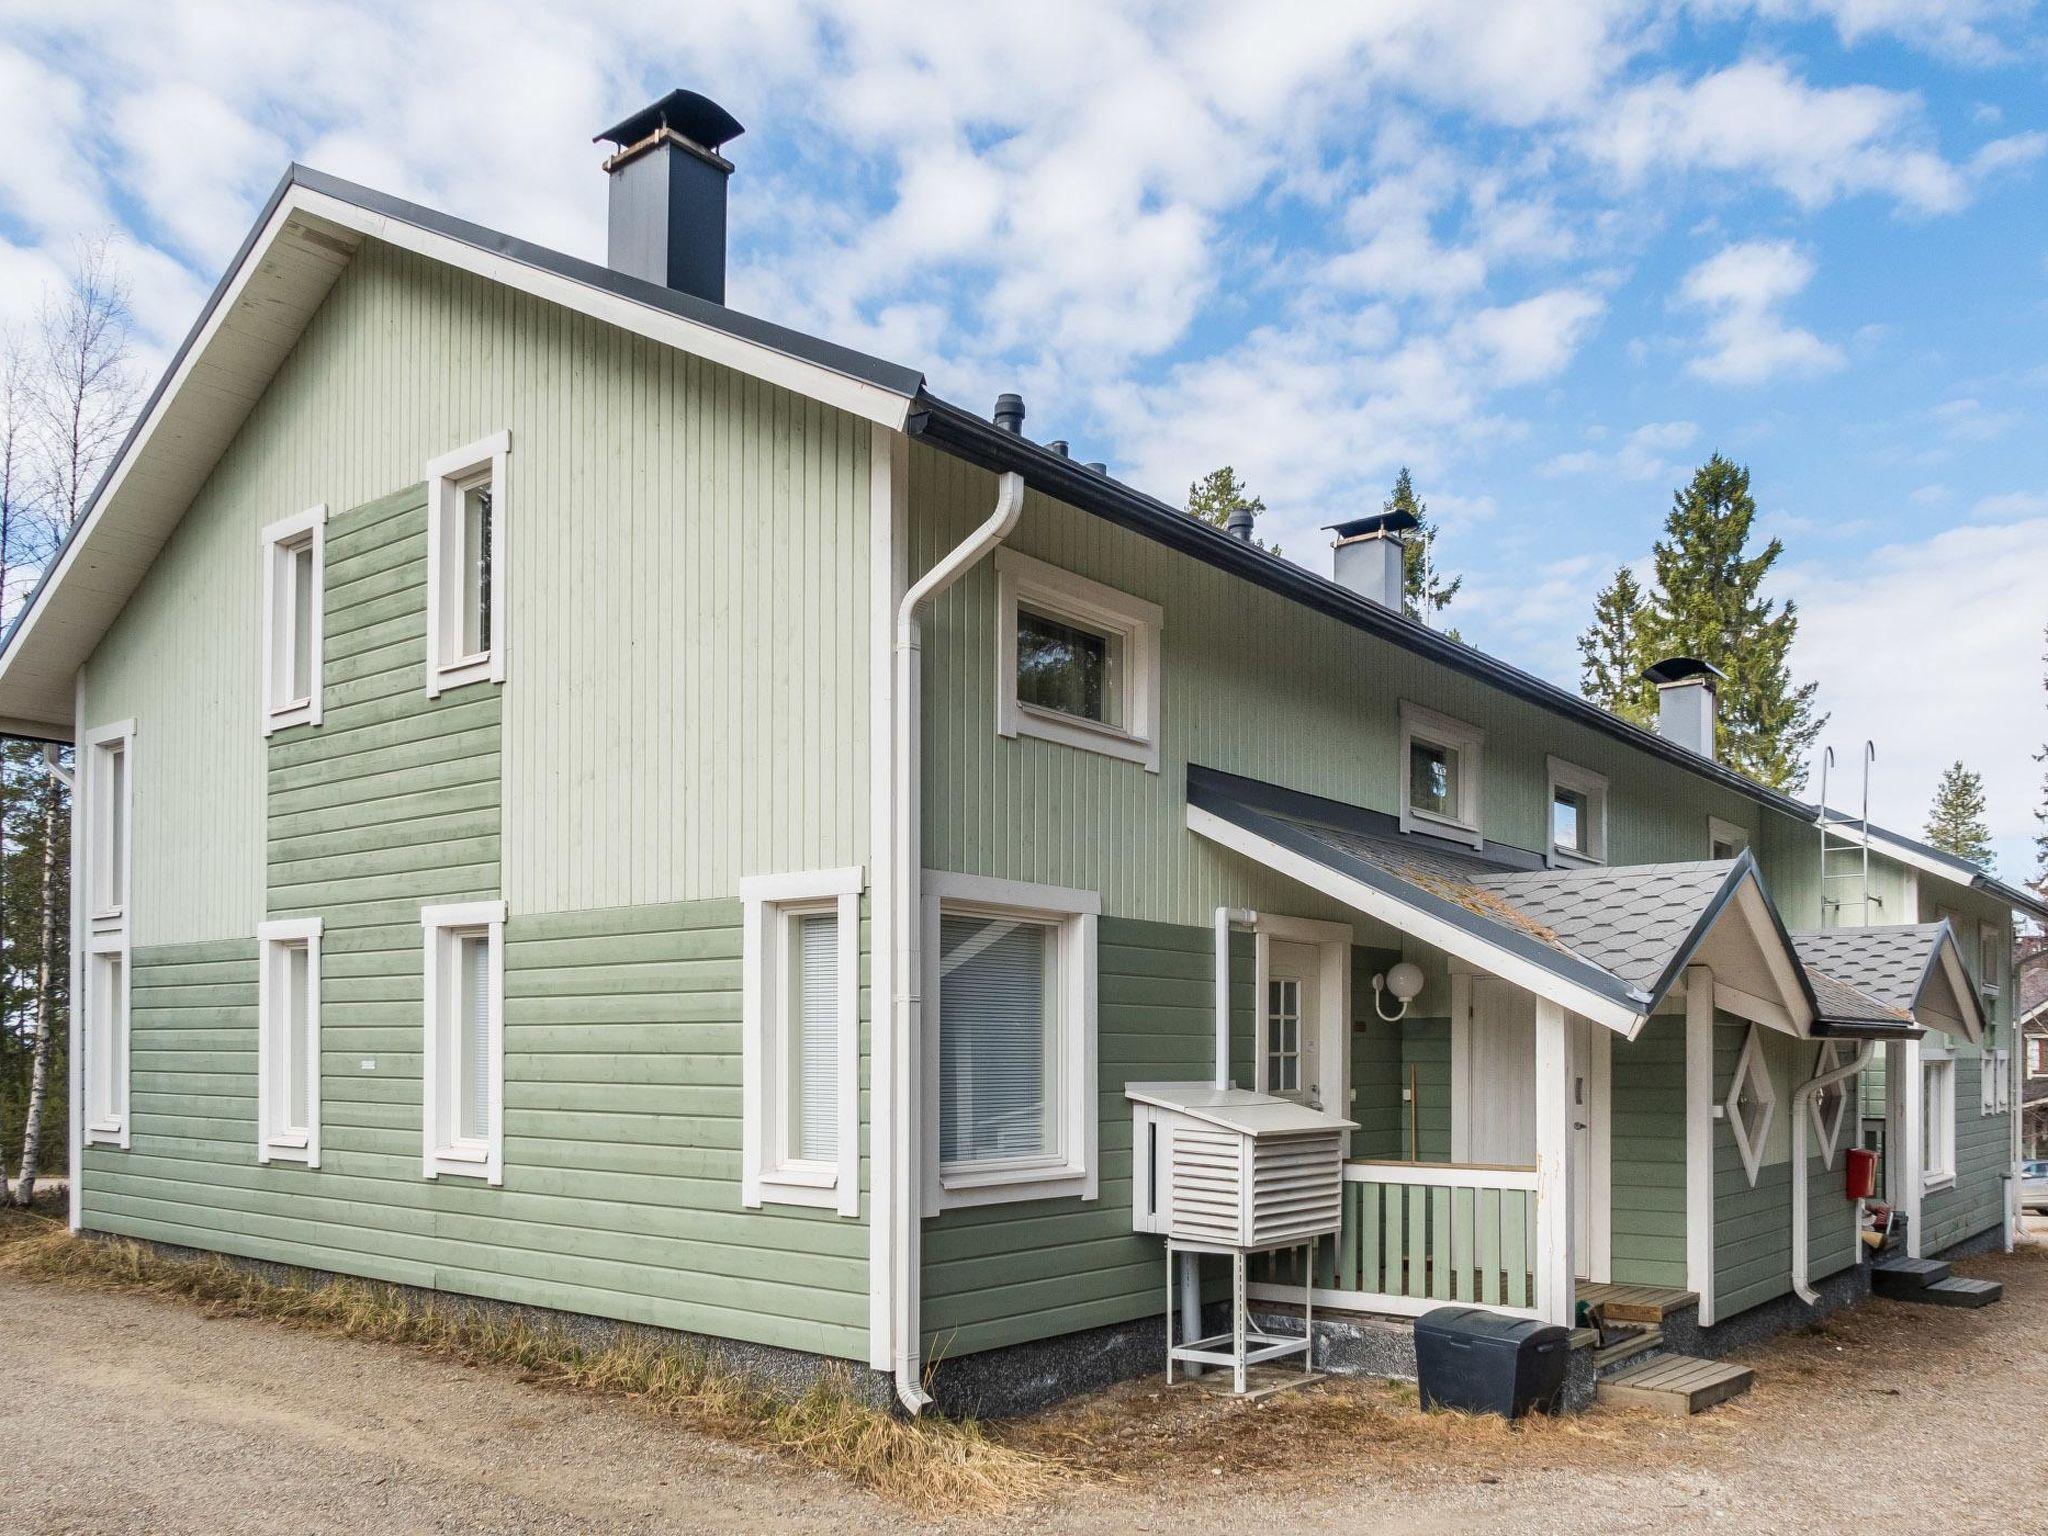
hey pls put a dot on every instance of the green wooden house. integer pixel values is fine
(590, 800)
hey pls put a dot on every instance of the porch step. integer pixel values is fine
(1960, 1291)
(1638, 1343)
(1675, 1384)
(1903, 1279)
(1634, 1303)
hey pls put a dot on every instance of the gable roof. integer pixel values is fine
(1609, 943)
(1915, 969)
(309, 230)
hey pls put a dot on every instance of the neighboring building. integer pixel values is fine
(593, 800)
(2031, 1025)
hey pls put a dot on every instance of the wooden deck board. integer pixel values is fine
(1676, 1384)
(1634, 1303)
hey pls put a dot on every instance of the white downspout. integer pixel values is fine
(1801, 1099)
(1225, 918)
(907, 861)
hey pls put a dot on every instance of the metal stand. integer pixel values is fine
(1244, 1345)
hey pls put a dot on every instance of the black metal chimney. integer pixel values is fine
(668, 194)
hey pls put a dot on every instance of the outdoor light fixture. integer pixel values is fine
(1405, 982)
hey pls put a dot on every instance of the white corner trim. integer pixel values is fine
(442, 474)
(274, 1144)
(1132, 621)
(1699, 1138)
(1469, 741)
(439, 1156)
(767, 1175)
(1566, 775)
(892, 1229)
(74, 1073)
(1074, 1170)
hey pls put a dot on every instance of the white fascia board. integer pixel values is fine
(1457, 942)
(854, 396)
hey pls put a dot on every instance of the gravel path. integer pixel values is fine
(148, 1417)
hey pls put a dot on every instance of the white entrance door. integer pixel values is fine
(1291, 1041)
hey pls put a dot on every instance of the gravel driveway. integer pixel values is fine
(147, 1417)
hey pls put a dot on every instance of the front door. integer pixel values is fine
(1292, 1039)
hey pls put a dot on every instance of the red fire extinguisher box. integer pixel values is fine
(1861, 1167)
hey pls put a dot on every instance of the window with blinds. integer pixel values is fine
(999, 1038)
(473, 1024)
(814, 1021)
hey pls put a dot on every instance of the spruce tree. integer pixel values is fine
(1956, 823)
(1706, 601)
(1219, 493)
(1424, 590)
(1611, 658)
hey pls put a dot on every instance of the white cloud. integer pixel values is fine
(1743, 288)
(1641, 455)
(1926, 693)
(1968, 420)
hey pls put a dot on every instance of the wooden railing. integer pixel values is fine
(1423, 1235)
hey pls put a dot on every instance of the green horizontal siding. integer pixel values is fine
(1647, 1117)
(1976, 1201)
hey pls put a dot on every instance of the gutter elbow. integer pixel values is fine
(910, 1393)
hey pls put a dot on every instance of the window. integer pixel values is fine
(294, 559)
(1578, 815)
(1829, 1107)
(106, 1044)
(1991, 952)
(2037, 1056)
(1439, 774)
(110, 809)
(107, 796)
(1994, 1081)
(464, 1076)
(1283, 1035)
(1725, 840)
(1752, 1103)
(1009, 1001)
(1937, 1119)
(800, 1067)
(1077, 662)
(466, 565)
(288, 1042)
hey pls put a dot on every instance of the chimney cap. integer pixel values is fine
(697, 118)
(1380, 524)
(1673, 670)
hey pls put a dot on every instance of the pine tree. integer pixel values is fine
(1611, 658)
(1956, 823)
(1219, 493)
(1425, 593)
(1706, 601)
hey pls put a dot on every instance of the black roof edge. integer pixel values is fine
(965, 435)
(1864, 1029)
(1971, 1001)
(1211, 796)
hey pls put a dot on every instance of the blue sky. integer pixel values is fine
(1549, 256)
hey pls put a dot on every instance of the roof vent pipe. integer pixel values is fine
(1059, 446)
(1097, 465)
(1239, 524)
(1009, 413)
(1686, 707)
(667, 220)
(1371, 557)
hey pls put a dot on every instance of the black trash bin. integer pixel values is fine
(1469, 1358)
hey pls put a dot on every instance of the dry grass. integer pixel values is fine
(932, 1464)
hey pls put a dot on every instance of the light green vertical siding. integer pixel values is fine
(1647, 1118)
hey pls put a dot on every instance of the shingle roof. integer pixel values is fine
(1843, 1003)
(1887, 961)
(1633, 920)
(2033, 991)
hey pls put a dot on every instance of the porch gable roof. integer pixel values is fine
(1907, 969)
(1608, 942)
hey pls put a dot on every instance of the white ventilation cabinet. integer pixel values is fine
(1234, 1172)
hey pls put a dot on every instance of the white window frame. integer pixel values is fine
(1719, 831)
(2003, 1058)
(275, 1142)
(441, 927)
(108, 1029)
(770, 1174)
(1938, 1153)
(1134, 622)
(1072, 1171)
(1752, 1066)
(1439, 730)
(101, 864)
(281, 541)
(446, 476)
(2037, 1056)
(1583, 781)
(1990, 936)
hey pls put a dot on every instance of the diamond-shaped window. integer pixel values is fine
(1752, 1102)
(1831, 1105)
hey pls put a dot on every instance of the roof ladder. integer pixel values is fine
(1833, 844)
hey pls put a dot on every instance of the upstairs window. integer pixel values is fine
(294, 555)
(1010, 1065)
(1725, 840)
(464, 1077)
(800, 1065)
(288, 1042)
(1578, 814)
(466, 564)
(1078, 662)
(110, 806)
(1440, 763)
(1991, 951)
